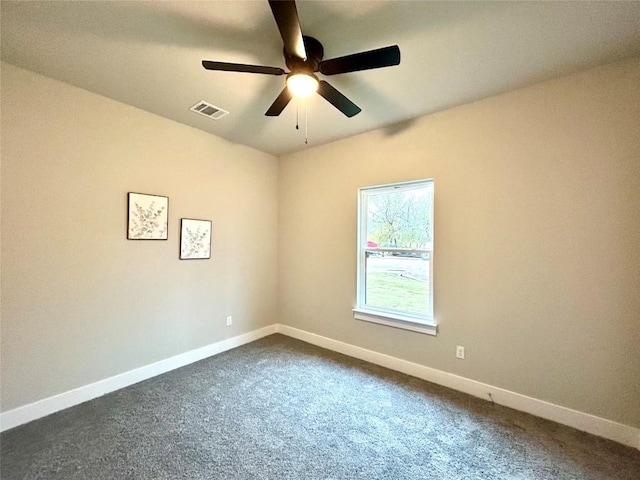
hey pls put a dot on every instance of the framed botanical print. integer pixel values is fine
(195, 239)
(148, 217)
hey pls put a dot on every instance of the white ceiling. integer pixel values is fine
(148, 54)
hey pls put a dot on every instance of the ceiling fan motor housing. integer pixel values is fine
(315, 53)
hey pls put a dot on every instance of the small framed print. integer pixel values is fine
(195, 239)
(148, 217)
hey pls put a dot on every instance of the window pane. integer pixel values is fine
(398, 282)
(400, 218)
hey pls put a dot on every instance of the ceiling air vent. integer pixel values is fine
(208, 110)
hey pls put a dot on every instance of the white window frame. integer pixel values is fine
(394, 318)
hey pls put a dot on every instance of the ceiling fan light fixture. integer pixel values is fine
(302, 84)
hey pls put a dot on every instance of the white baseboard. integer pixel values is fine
(602, 427)
(47, 406)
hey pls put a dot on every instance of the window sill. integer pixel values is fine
(397, 321)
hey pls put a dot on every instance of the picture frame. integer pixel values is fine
(195, 239)
(147, 217)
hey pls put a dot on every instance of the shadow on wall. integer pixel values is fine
(397, 128)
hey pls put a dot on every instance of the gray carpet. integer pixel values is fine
(282, 409)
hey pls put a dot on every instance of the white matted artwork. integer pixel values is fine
(148, 217)
(195, 239)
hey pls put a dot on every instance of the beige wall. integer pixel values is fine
(80, 302)
(536, 261)
(537, 239)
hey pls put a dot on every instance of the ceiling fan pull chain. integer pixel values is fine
(306, 122)
(297, 108)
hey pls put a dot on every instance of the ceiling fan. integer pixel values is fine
(303, 56)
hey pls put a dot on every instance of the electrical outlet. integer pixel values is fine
(229, 321)
(460, 352)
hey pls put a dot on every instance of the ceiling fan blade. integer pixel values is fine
(241, 67)
(286, 16)
(282, 101)
(338, 100)
(382, 57)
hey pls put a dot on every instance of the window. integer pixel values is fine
(395, 256)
